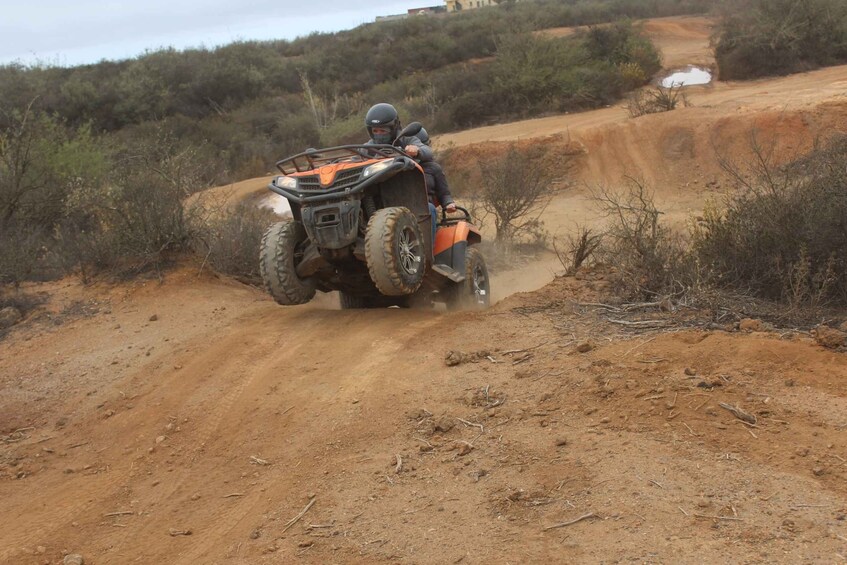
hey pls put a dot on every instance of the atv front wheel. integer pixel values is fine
(474, 293)
(394, 250)
(282, 249)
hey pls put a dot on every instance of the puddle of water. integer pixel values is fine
(688, 77)
(276, 203)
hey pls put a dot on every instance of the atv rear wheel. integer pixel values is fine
(474, 293)
(282, 249)
(394, 250)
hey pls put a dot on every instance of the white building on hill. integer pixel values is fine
(457, 5)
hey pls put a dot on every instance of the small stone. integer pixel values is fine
(355, 401)
(802, 451)
(818, 471)
(691, 372)
(160, 439)
(169, 427)
(561, 442)
(255, 534)
(589, 411)
(464, 449)
(444, 424)
(829, 337)
(174, 532)
(154, 318)
(109, 413)
(73, 559)
(454, 358)
(605, 420)
(308, 543)
(751, 325)
(703, 503)
(584, 347)
(195, 496)
(9, 316)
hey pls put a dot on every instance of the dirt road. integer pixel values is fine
(195, 421)
(226, 415)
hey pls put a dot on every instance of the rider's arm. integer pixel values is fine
(424, 151)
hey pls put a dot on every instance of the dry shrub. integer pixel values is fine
(140, 218)
(25, 255)
(516, 191)
(659, 99)
(783, 236)
(578, 248)
(649, 258)
(232, 239)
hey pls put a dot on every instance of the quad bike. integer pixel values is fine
(361, 225)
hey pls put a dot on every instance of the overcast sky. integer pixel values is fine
(73, 32)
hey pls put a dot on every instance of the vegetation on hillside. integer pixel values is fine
(254, 102)
(757, 38)
(780, 237)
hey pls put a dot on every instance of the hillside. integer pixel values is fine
(192, 420)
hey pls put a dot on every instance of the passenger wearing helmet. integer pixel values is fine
(436, 181)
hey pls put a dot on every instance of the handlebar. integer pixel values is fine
(445, 220)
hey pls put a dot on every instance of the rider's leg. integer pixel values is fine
(434, 212)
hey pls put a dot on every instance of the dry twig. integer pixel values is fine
(300, 515)
(738, 413)
(734, 519)
(472, 424)
(571, 522)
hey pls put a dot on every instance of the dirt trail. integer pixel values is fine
(682, 40)
(133, 412)
(243, 410)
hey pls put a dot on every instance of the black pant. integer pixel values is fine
(436, 183)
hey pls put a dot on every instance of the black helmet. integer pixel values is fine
(423, 136)
(383, 116)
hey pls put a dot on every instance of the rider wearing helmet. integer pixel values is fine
(383, 124)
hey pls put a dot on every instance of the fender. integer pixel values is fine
(451, 245)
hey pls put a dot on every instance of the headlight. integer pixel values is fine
(286, 182)
(376, 168)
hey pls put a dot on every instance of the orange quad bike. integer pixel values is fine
(361, 225)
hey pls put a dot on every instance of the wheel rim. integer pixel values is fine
(479, 285)
(410, 251)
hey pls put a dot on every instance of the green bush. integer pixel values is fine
(777, 37)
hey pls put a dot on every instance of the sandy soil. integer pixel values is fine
(193, 421)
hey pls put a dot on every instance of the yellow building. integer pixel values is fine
(457, 5)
